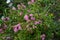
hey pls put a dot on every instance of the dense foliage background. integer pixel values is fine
(30, 20)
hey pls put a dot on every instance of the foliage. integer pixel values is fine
(46, 12)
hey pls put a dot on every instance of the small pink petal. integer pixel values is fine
(32, 0)
(31, 15)
(43, 38)
(26, 17)
(36, 22)
(32, 18)
(17, 27)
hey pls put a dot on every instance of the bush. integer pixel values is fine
(31, 20)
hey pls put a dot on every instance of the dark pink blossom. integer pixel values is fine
(17, 27)
(5, 18)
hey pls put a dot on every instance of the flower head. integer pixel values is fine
(17, 27)
(26, 17)
(31, 15)
(32, 18)
(37, 22)
(43, 36)
(5, 18)
(13, 8)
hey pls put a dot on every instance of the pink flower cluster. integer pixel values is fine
(26, 17)
(17, 27)
(32, 0)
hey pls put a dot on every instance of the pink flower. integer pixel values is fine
(43, 36)
(32, 1)
(31, 15)
(32, 18)
(5, 18)
(37, 22)
(21, 13)
(17, 27)
(26, 17)
(18, 6)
